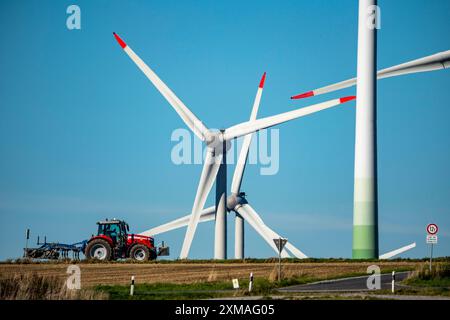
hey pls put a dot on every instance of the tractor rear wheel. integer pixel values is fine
(98, 249)
(140, 253)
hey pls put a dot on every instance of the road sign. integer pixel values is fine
(432, 239)
(280, 243)
(432, 229)
(235, 283)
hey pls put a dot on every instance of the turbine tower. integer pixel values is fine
(365, 202)
(220, 234)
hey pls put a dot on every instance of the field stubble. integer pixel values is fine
(120, 274)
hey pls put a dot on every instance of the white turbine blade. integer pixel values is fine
(242, 160)
(252, 126)
(186, 115)
(393, 253)
(433, 62)
(273, 235)
(296, 252)
(206, 215)
(246, 212)
(209, 173)
(289, 246)
(436, 61)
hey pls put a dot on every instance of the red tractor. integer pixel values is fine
(113, 242)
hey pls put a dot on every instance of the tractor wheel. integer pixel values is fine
(140, 253)
(98, 249)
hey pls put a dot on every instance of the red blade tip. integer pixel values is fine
(303, 95)
(120, 41)
(261, 83)
(345, 99)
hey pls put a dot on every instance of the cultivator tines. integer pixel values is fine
(55, 250)
(50, 254)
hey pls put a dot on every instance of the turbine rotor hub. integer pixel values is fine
(236, 200)
(215, 142)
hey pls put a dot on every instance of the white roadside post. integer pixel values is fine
(132, 286)
(432, 239)
(280, 243)
(393, 282)
(250, 283)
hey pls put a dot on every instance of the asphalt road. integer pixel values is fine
(345, 285)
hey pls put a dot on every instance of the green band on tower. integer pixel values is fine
(365, 221)
(365, 242)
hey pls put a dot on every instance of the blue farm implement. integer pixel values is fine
(55, 250)
(112, 241)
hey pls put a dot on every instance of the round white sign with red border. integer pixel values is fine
(432, 228)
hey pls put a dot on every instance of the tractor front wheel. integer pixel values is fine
(140, 253)
(98, 249)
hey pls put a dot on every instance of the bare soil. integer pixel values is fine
(120, 273)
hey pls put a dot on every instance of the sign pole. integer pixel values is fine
(279, 260)
(432, 238)
(431, 256)
(280, 243)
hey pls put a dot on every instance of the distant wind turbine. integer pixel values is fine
(238, 203)
(218, 143)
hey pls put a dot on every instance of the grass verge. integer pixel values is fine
(215, 289)
(199, 290)
(38, 287)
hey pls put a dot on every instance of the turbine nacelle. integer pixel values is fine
(215, 142)
(236, 200)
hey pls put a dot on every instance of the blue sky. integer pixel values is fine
(84, 136)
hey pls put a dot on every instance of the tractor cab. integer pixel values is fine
(116, 230)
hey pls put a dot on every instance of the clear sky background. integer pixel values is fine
(84, 136)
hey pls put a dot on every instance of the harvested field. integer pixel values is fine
(120, 273)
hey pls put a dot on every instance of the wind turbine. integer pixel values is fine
(437, 61)
(365, 214)
(217, 145)
(238, 203)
